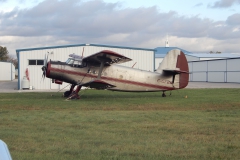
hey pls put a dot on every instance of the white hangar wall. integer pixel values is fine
(222, 70)
(158, 61)
(144, 59)
(7, 71)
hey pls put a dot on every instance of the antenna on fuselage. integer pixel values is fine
(134, 64)
(82, 52)
(166, 42)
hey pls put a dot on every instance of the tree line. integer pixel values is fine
(5, 57)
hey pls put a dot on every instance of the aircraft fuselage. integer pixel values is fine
(124, 78)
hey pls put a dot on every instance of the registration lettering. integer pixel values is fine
(164, 81)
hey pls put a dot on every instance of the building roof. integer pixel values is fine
(214, 55)
(77, 45)
(165, 50)
(5, 62)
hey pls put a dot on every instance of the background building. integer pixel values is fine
(7, 71)
(217, 70)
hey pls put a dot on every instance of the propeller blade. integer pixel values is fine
(44, 68)
(82, 52)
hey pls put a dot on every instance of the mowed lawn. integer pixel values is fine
(118, 125)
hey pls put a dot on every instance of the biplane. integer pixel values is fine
(102, 71)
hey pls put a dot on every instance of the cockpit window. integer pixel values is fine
(76, 63)
(70, 61)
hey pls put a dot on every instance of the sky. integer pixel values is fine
(193, 25)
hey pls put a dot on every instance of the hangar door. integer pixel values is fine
(223, 70)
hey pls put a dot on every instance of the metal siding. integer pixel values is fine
(199, 66)
(157, 62)
(233, 65)
(219, 65)
(216, 77)
(190, 66)
(144, 59)
(221, 70)
(6, 71)
(233, 77)
(35, 72)
(199, 77)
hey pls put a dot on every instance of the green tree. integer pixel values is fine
(3, 54)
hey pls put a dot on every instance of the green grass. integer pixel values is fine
(118, 125)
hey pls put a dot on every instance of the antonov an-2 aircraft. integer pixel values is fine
(100, 71)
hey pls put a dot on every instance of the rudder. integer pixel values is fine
(175, 63)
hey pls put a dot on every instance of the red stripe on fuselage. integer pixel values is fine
(112, 79)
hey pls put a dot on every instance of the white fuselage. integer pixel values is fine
(124, 78)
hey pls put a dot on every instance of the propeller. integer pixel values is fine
(44, 68)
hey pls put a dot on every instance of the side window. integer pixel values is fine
(34, 62)
(40, 62)
(31, 62)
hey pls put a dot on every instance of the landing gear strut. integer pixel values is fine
(163, 94)
(72, 94)
(67, 93)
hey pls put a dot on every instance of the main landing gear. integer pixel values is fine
(163, 94)
(72, 94)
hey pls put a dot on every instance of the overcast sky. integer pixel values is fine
(193, 25)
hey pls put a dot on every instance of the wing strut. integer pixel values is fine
(100, 69)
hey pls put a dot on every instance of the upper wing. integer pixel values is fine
(106, 56)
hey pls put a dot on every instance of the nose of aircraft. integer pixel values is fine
(44, 68)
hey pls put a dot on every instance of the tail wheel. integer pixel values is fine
(163, 94)
(67, 94)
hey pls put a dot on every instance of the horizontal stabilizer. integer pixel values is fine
(174, 71)
(98, 84)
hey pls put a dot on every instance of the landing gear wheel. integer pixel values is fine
(67, 94)
(73, 96)
(163, 94)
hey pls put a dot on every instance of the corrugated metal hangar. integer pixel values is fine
(7, 71)
(31, 61)
(221, 70)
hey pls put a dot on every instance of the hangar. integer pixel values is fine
(216, 70)
(31, 61)
(7, 71)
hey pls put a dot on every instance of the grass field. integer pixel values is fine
(118, 125)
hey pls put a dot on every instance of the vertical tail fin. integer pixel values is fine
(175, 64)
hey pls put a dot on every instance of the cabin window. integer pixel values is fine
(79, 64)
(69, 61)
(76, 63)
(40, 62)
(35, 62)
